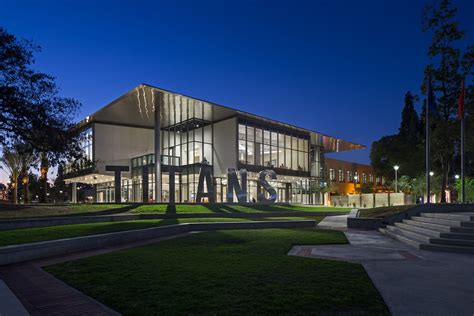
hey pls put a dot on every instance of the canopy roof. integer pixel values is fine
(137, 107)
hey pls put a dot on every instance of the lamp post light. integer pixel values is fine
(396, 177)
(431, 173)
(456, 176)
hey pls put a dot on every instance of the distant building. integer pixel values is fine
(352, 178)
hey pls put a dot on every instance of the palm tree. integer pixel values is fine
(44, 168)
(27, 159)
(12, 163)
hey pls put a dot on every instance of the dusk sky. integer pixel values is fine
(337, 67)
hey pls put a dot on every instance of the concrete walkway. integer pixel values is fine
(42, 294)
(338, 222)
(9, 303)
(411, 281)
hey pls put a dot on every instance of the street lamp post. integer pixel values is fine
(429, 192)
(396, 177)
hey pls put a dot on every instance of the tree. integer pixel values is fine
(449, 66)
(405, 184)
(11, 161)
(469, 189)
(31, 111)
(404, 149)
(410, 127)
(60, 189)
(44, 169)
(27, 159)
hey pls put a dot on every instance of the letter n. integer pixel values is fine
(233, 184)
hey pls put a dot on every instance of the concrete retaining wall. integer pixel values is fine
(365, 223)
(369, 200)
(45, 249)
(70, 220)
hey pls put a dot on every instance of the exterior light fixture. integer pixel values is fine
(456, 176)
(431, 173)
(396, 167)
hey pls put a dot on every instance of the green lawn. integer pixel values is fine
(381, 212)
(28, 235)
(227, 273)
(226, 208)
(11, 211)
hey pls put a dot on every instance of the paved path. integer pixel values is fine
(9, 303)
(411, 281)
(43, 294)
(338, 222)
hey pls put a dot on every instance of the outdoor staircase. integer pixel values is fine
(452, 232)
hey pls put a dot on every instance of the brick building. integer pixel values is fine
(350, 178)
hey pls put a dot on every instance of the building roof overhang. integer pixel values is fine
(137, 108)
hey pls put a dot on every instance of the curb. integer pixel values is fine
(44, 249)
(71, 220)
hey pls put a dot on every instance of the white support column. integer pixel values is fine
(74, 192)
(158, 106)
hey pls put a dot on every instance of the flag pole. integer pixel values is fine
(461, 116)
(463, 190)
(427, 140)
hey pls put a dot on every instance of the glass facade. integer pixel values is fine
(139, 166)
(289, 189)
(187, 134)
(260, 146)
(186, 130)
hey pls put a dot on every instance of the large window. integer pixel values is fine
(340, 175)
(272, 148)
(348, 176)
(187, 132)
(188, 146)
(86, 144)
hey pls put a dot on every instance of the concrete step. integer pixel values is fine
(456, 236)
(437, 221)
(453, 242)
(449, 216)
(463, 230)
(419, 230)
(401, 238)
(446, 248)
(467, 224)
(436, 227)
(408, 234)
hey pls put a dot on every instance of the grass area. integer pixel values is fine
(11, 211)
(226, 272)
(229, 208)
(380, 212)
(28, 235)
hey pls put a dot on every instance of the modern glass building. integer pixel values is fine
(150, 130)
